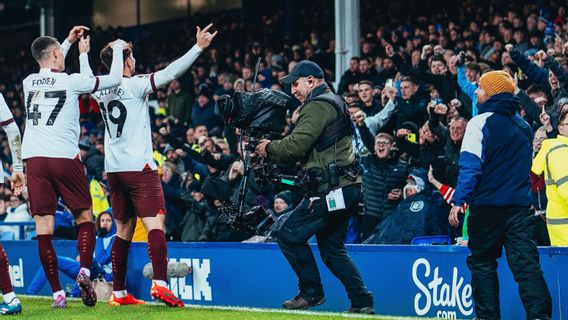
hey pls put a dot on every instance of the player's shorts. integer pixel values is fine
(51, 178)
(136, 193)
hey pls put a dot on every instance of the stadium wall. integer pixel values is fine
(428, 281)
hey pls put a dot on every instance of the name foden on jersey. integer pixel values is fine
(116, 90)
(47, 81)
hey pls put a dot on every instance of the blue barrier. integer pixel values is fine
(428, 281)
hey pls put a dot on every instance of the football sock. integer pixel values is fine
(8, 297)
(120, 293)
(58, 293)
(158, 252)
(49, 260)
(86, 243)
(119, 254)
(5, 282)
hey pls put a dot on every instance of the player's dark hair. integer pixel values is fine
(106, 54)
(41, 46)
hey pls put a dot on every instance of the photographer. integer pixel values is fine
(310, 140)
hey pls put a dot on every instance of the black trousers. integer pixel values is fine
(330, 228)
(490, 228)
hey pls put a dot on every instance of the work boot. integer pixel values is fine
(363, 310)
(299, 303)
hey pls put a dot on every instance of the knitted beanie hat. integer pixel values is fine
(495, 82)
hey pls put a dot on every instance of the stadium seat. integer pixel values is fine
(8, 235)
(432, 240)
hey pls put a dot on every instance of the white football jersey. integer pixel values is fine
(6, 116)
(52, 113)
(128, 135)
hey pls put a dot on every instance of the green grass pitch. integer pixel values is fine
(40, 308)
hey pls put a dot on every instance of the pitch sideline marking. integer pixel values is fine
(259, 310)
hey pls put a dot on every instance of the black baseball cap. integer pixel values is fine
(304, 68)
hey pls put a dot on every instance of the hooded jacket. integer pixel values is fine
(423, 214)
(496, 156)
(102, 261)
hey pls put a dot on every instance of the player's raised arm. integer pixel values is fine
(74, 34)
(89, 84)
(178, 67)
(15, 142)
(84, 49)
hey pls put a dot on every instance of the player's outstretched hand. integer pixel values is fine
(76, 33)
(85, 44)
(18, 182)
(204, 37)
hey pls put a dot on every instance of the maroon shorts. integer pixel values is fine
(50, 178)
(136, 193)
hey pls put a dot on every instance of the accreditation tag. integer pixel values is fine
(334, 200)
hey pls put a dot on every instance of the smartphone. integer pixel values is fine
(389, 83)
(411, 137)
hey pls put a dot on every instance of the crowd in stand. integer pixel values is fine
(410, 94)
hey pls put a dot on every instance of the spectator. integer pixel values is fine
(411, 105)
(175, 207)
(495, 160)
(370, 105)
(367, 72)
(203, 113)
(452, 139)
(351, 76)
(179, 102)
(17, 212)
(200, 221)
(551, 160)
(428, 152)
(383, 181)
(95, 161)
(421, 213)
(102, 262)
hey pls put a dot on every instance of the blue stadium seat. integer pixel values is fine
(432, 240)
(8, 235)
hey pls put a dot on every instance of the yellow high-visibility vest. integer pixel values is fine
(551, 159)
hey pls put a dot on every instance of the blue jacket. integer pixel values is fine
(468, 88)
(535, 73)
(496, 156)
(102, 262)
(423, 214)
(205, 116)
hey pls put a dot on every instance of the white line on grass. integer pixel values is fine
(260, 310)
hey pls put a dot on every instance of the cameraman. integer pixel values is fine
(320, 148)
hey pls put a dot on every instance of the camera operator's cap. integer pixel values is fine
(304, 68)
(495, 82)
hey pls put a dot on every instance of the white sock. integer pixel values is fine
(86, 271)
(120, 294)
(161, 283)
(8, 297)
(58, 293)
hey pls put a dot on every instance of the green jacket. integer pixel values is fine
(179, 106)
(315, 117)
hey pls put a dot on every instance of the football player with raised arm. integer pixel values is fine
(135, 186)
(50, 148)
(11, 303)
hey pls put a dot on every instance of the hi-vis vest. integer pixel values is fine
(551, 159)
(99, 196)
